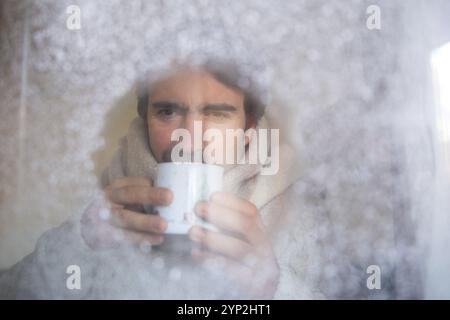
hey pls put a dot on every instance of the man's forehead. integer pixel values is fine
(195, 87)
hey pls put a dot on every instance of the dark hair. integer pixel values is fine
(226, 73)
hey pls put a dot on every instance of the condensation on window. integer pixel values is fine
(358, 102)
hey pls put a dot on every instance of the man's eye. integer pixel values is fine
(218, 114)
(165, 112)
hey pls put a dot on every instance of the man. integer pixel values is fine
(262, 248)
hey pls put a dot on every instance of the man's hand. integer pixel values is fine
(118, 217)
(241, 250)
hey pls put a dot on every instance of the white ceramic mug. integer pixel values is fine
(189, 183)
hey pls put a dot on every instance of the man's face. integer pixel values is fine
(187, 96)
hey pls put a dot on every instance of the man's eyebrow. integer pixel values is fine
(219, 107)
(169, 105)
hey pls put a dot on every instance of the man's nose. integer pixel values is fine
(193, 123)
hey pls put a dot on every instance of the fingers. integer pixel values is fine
(114, 237)
(138, 181)
(221, 243)
(110, 227)
(232, 220)
(229, 200)
(137, 194)
(137, 221)
(137, 191)
(142, 239)
(110, 219)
